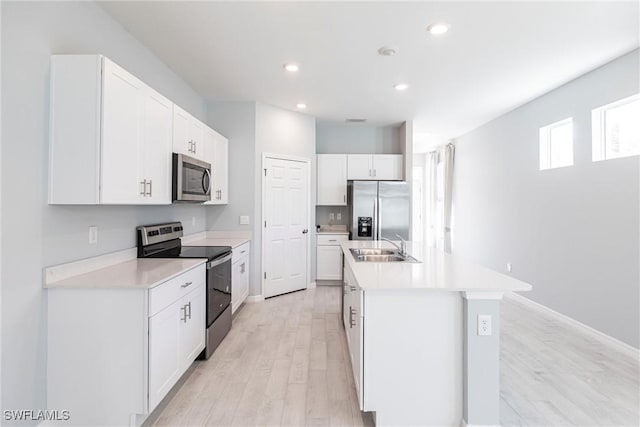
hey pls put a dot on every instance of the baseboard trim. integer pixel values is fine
(611, 342)
(254, 298)
(463, 423)
(311, 285)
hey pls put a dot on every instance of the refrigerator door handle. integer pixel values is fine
(375, 219)
(379, 227)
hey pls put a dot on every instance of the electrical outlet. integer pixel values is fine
(244, 219)
(339, 216)
(93, 234)
(331, 216)
(509, 267)
(484, 324)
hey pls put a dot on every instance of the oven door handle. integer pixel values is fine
(217, 262)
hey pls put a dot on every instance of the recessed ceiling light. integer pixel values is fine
(387, 51)
(301, 106)
(438, 28)
(292, 68)
(401, 86)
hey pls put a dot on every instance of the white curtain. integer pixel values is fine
(439, 197)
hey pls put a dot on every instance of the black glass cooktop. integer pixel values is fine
(209, 252)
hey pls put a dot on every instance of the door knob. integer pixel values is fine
(305, 231)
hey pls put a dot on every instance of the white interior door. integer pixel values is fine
(286, 213)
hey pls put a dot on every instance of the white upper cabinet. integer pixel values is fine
(375, 167)
(332, 179)
(216, 149)
(360, 166)
(188, 134)
(110, 139)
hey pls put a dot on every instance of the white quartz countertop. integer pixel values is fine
(234, 242)
(139, 273)
(436, 271)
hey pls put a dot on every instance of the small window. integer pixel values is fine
(616, 129)
(556, 145)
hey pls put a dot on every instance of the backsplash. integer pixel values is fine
(323, 215)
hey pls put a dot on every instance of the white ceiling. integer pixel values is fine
(496, 56)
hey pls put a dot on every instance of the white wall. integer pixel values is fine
(280, 131)
(236, 121)
(356, 139)
(253, 129)
(35, 235)
(573, 232)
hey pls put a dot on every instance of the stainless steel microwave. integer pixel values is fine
(191, 179)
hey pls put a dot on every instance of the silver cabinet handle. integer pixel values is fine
(332, 240)
(242, 268)
(243, 251)
(344, 198)
(305, 231)
(183, 309)
(187, 284)
(144, 188)
(353, 288)
(375, 172)
(370, 172)
(150, 192)
(189, 311)
(352, 313)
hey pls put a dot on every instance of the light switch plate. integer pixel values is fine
(93, 234)
(244, 219)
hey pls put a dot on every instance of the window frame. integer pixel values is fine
(545, 144)
(598, 128)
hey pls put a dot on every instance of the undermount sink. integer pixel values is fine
(380, 255)
(372, 251)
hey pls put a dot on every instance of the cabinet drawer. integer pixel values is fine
(241, 251)
(165, 294)
(332, 239)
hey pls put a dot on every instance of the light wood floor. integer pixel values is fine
(285, 363)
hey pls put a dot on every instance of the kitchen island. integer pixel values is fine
(424, 337)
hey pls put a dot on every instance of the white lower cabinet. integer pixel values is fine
(114, 353)
(175, 339)
(354, 327)
(240, 275)
(329, 256)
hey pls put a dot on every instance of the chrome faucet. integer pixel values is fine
(403, 245)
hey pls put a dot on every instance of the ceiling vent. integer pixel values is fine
(356, 120)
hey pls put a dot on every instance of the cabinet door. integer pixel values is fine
(196, 137)
(222, 169)
(244, 283)
(360, 166)
(181, 123)
(122, 122)
(192, 326)
(332, 179)
(357, 342)
(329, 262)
(156, 157)
(388, 167)
(217, 154)
(165, 358)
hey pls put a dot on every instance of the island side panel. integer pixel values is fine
(481, 364)
(413, 349)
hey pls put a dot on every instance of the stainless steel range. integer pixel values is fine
(163, 241)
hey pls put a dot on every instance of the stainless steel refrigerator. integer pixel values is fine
(378, 209)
